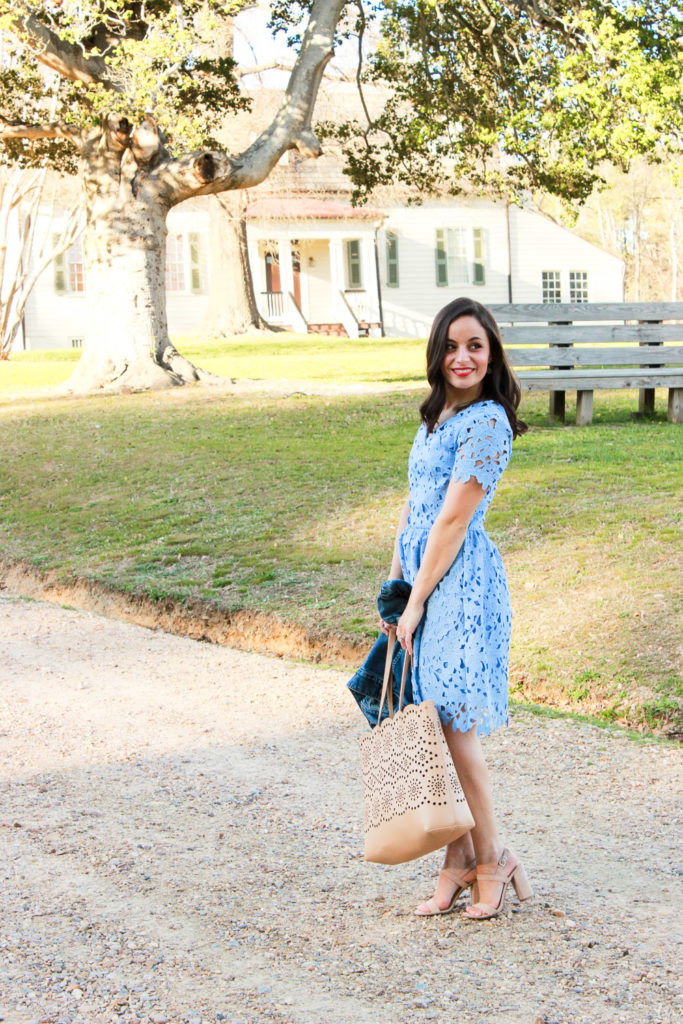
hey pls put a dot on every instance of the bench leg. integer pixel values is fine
(676, 405)
(556, 406)
(584, 408)
(646, 401)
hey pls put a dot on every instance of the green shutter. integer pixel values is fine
(195, 262)
(59, 267)
(392, 261)
(441, 259)
(478, 268)
(353, 267)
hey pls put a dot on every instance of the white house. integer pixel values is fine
(319, 264)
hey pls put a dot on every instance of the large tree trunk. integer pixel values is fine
(127, 343)
(232, 305)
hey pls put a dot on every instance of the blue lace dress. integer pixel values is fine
(461, 646)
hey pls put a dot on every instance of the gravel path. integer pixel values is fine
(181, 842)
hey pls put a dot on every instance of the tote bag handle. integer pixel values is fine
(387, 690)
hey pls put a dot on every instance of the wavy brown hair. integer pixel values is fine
(499, 384)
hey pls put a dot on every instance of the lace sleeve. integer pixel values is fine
(483, 451)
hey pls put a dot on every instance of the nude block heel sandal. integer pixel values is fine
(521, 884)
(462, 879)
(508, 869)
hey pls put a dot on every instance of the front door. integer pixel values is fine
(272, 272)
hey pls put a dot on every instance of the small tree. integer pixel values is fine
(21, 196)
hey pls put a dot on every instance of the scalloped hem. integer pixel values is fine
(485, 726)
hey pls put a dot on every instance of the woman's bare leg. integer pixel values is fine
(465, 748)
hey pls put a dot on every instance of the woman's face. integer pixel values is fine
(466, 360)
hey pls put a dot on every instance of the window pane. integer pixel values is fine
(552, 291)
(441, 259)
(175, 274)
(353, 266)
(74, 257)
(578, 286)
(457, 256)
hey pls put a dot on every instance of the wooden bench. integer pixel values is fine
(591, 346)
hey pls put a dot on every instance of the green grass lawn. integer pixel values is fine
(272, 357)
(287, 505)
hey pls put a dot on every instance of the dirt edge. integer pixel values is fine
(260, 633)
(199, 620)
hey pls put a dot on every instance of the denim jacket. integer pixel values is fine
(366, 684)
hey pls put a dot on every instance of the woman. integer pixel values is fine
(456, 624)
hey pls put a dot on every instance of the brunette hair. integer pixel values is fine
(499, 384)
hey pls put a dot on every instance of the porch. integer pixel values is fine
(313, 271)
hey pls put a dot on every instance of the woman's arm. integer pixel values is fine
(443, 544)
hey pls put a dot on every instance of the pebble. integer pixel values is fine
(142, 910)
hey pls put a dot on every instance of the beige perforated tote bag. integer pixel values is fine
(412, 797)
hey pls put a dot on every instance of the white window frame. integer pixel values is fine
(187, 261)
(461, 256)
(551, 290)
(578, 286)
(69, 269)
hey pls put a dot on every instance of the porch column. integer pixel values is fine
(256, 265)
(337, 276)
(341, 313)
(370, 278)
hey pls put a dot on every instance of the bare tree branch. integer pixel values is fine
(291, 127)
(259, 69)
(18, 280)
(17, 130)
(67, 59)
(211, 172)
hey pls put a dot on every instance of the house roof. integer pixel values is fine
(309, 208)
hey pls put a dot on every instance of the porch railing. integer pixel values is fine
(274, 304)
(357, 301)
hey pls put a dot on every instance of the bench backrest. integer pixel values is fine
(647, 332)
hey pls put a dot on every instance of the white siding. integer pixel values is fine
(53, 320)
(535, 244)
(539, 244)
(410, 308)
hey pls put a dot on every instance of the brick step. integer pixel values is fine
(332, 330)
(365, 326)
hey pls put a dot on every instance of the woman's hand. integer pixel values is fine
(407, 625)
(385, 627)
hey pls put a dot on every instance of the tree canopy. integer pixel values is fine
(74, 64)
(498, 94)
(507, 95)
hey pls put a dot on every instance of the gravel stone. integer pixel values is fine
(181, 841)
